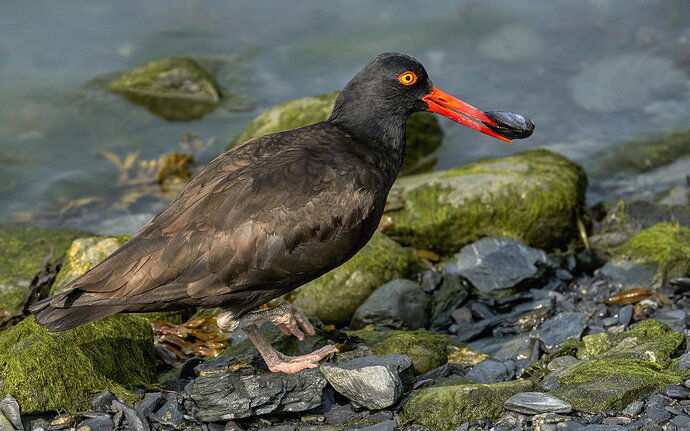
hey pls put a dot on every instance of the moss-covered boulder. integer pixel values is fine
(447, 407)
(533, 196)
(82, 255)
(645, 153)
(335, 296)
(61, 371)
(424, 136)
(615, 369)
(666, 246)
(426, 349)
(23, 251)
(175, 88)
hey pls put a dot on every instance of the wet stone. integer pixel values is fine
(496, 265)
(446, 299)
(170, 414)
(374, 382)
(152, 401)
(135, 421)
(682, 422)
(99, 423)
(103, 401)
(562, 362)
(389, 425)
(656, 409)
(677, 391)
(625, 314)
(222, 392)
(556, 330)
(536, 403)
(673, 318)
(399, 304)
(604, 428)
(491, 371)
(430, 280)
(10, 417)
(633, 409)
(684, 360)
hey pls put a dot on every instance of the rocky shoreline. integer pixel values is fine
(492, 298)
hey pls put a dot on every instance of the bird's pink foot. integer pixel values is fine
(295, 364)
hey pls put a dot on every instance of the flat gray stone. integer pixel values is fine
(389, 425)
(374, 382)
(534, 403)
(399, 304)
(135, 420)
(221, 393)
(98, 423)
(494, 265)
(559, 328)
(491, 371)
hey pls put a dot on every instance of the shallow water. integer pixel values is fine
(590, 73)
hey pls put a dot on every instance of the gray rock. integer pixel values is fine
(399, 304)
(135, 421)
(497, 265)
(556, 330)
(98, 423)
(684, 361)
(103, 401)
(673, 318)
(232, 426)
(534, 403)
(682, 422)
(625, 314)
(627, 274)
(491, 371)
(633, 409)
(10, 415)
(604, 428)
(170, 415)
(562, 362)
(655, 409)
(446, 299)
(677, 391)
(430, 280)
(221, 393)
(374, 382)
(389, 425)
(152, 401)
(622, 82)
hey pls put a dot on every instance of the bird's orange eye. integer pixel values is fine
(407, 78)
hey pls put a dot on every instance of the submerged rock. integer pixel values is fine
(24, 249)
(60, 371)
(646, 153)
(424, 136)
(230, 389)
(533, 196)
(82, 255)
(335, 296)
(399, 304)
(498, 266)
(374, 382)
(175, 88)
(427, 350)
(447, 407)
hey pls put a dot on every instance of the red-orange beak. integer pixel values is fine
(461, 112)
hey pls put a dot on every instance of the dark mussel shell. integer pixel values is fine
(511, 124)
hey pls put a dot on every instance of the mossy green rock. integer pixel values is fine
(646, 153)
(615, 369)
(426, 349)
(82, 255)
(447, 407)
(335, 296)
(665, 245)
(424, 136)
(533, 196)
(23, 250)
(61, 371)
(175, 88)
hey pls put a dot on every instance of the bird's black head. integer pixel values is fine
(378, 100)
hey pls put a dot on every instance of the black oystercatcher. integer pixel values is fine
(266, 217)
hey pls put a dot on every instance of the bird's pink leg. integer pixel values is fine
(291, 321)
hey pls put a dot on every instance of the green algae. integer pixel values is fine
(335, 296)
(175, 88)
(61, 371)
(535, 196)
(83, 254)
(539, 369)
(427, 350)
(666, 245)
(446, 407)
(23, 251)
(648, 153)
(424, 135)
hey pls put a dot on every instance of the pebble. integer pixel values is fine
(152, 401)
(633, 409)
(10, 416)
(682, 421)
(677, 391)
(135, 421)
(656, 409)
(673, 318)
(625, 314)
(430, 280)
(536, 403)
(389, 425)
(170, 415)
(491, 371)
(375, 382)
(103, 402)
(558, 329)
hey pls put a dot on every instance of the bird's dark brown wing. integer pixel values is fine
(258, 221)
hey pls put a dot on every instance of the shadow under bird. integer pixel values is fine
(270, 215)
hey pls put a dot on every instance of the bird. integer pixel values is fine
(272, 214)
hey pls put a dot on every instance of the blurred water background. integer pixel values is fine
(590, 73)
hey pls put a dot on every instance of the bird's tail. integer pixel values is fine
(56, 314)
